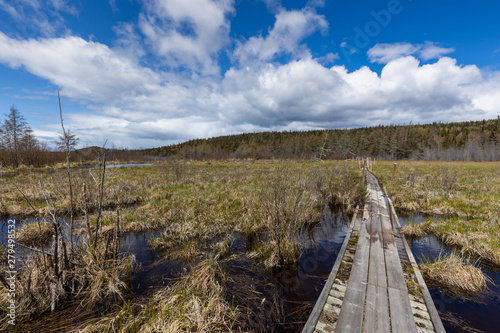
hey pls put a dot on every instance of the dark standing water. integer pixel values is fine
(482, 314)
(298, 286)
(304, 283)
(322, 244)
(153, 271)
(20, 251)
(301, 284)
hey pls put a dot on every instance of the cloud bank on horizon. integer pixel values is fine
(176, 70)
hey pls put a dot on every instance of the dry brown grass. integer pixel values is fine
(195, 204)
(93, 283)
(456, 274)
(35, 234)
(194, 304)
(414, 231)
(465, 194)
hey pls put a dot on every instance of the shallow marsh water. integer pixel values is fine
(299, 286)
(153, 271)
(302, 284)
(480, 313)
(126, 165)
(322, 244)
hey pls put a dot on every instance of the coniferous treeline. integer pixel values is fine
(461, 141)
(18, 144)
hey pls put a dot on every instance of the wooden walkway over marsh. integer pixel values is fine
(375, 284)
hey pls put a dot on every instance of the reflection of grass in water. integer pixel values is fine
(456, 273)
(466, 193)
(458, 323)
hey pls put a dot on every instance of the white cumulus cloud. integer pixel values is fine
(384, 53)
(134, 103)
(290, 28)
(84, 70)
(187, 33)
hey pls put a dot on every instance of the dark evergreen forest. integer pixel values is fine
(461, 141)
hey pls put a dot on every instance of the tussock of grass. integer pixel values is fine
(105, 280)
(95, 282)
(466, 194)
(455, 273)
(465, 237)
(194, 304)
(414, 231)
(34, 234)
(472, 244)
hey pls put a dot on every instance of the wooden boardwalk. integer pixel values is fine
(375, 284)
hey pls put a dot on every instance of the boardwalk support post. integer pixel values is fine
(392, 178)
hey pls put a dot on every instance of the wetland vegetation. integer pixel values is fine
(465, 196)
(229, 226)
(199, 209)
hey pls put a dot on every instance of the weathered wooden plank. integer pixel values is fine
(376, 318)
(376, 298)
(376, 307)
(392, 265)
(376, 310)
(395, 277)
(351, 314)
(400, 311)
(401, 315)
(384, 215)
(431, 307)
(377, 275)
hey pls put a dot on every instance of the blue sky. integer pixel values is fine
(146, 73)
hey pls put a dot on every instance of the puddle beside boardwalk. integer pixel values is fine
(478, 315)
(302, 285)
(322, 243)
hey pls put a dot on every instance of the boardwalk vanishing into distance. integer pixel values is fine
(375, 284)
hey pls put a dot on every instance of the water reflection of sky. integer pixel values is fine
(21, 253)
(482, 314)
(427, 247)
(125, 165)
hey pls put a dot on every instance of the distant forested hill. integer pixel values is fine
(469, 141)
